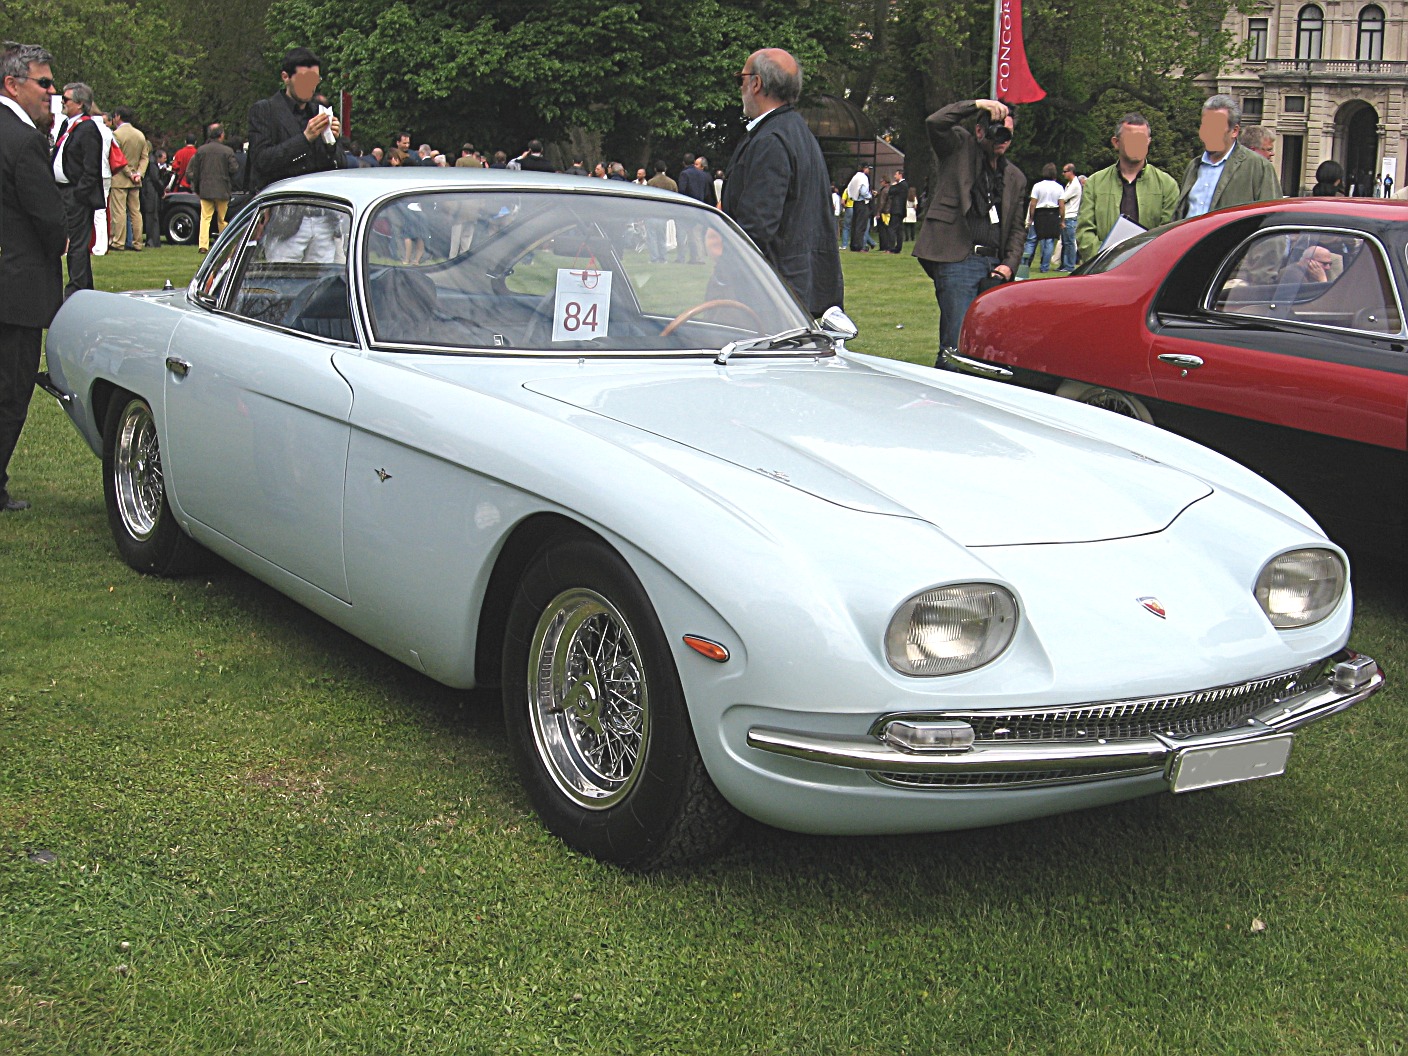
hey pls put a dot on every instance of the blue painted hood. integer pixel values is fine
(868, 440)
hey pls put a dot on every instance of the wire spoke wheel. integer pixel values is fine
(1113, 400)
(596, 716)
(134, 492)
(590, 702)
(136, 470)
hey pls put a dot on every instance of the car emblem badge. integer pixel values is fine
(1152, 604)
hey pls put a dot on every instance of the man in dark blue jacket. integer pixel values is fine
(777, 186)
(694, 182)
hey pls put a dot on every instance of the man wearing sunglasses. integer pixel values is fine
(78, 170)
(31, 239)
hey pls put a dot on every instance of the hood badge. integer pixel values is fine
(383, 476)
(1154, 606)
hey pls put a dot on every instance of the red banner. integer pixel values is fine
(1015, 83)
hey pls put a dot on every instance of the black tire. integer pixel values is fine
(607, 755)
(180, 224)
(134, 489)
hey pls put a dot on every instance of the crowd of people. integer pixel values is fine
(85, 182)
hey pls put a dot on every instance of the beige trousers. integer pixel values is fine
(124, 202)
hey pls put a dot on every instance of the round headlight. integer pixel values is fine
(951, 629)
(1301, 587)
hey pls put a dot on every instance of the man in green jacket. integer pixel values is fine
(1142, 193)
(1226, 173)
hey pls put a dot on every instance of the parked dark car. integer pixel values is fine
(180, 215)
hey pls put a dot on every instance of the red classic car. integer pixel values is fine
(1287, 312)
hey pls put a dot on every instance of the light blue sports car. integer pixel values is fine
(490, 424)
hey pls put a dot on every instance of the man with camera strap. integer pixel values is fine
(971, 238)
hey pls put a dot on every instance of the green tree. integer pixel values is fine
(236, 63)
(1095, 59)
(640, 77)
(125, 50)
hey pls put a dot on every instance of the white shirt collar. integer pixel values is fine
(19, 110)
(759, 119)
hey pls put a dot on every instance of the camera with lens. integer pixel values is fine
(995, 132)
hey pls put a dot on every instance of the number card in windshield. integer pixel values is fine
(582, 307)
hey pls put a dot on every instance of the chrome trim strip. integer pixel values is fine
(871, 754)
(45, 382)
(976, 366)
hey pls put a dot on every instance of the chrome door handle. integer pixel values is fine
(177, 366)
(1177, 359)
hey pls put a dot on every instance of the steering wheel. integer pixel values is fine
(703, 306)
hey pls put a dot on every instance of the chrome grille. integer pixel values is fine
(1181, 714)
(1004, 779)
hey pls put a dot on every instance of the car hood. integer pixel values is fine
(871, 441)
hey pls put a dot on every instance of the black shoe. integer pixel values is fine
(11, 505)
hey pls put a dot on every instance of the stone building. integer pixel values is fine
(1330, 80)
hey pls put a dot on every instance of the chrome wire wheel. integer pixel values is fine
(136, 471)
(1111, 400)
(588, 698)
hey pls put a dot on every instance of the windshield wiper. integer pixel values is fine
(774, 343)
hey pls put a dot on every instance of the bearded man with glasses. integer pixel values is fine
(31, 239)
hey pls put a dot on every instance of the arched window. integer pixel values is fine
(1310, 32)
(1371, 35)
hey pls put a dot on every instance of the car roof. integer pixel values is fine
(1361, 209)
(362, 187)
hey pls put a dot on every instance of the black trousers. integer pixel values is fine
(78, 223)
(19, 362)
(896, 230)
(860, 225)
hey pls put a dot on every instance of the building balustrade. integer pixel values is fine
(1338, 67)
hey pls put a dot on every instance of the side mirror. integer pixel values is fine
(838, 324)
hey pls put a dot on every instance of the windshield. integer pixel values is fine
(1117, 254)
(567, 273)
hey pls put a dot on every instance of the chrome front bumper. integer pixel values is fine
(1350, 678)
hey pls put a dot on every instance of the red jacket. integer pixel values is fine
(179, 162)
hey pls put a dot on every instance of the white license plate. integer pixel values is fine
(1225, 764)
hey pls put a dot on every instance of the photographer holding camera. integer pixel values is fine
(971, 238)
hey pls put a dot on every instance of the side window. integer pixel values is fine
(214, 279)
(294, 273)
(1328, 278)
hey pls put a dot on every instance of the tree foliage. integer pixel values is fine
(640, 78)
(637, 75)
(1096, 59)
(125, 50)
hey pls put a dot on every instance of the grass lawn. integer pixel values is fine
(227, 827)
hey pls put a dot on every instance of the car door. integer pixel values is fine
(256, 415)
(1300, 327)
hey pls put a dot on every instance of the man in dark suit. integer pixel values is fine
(974, 226)
(286, 130)
(78, 170)
(895, 203)
(778, 187)
(31, 239)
